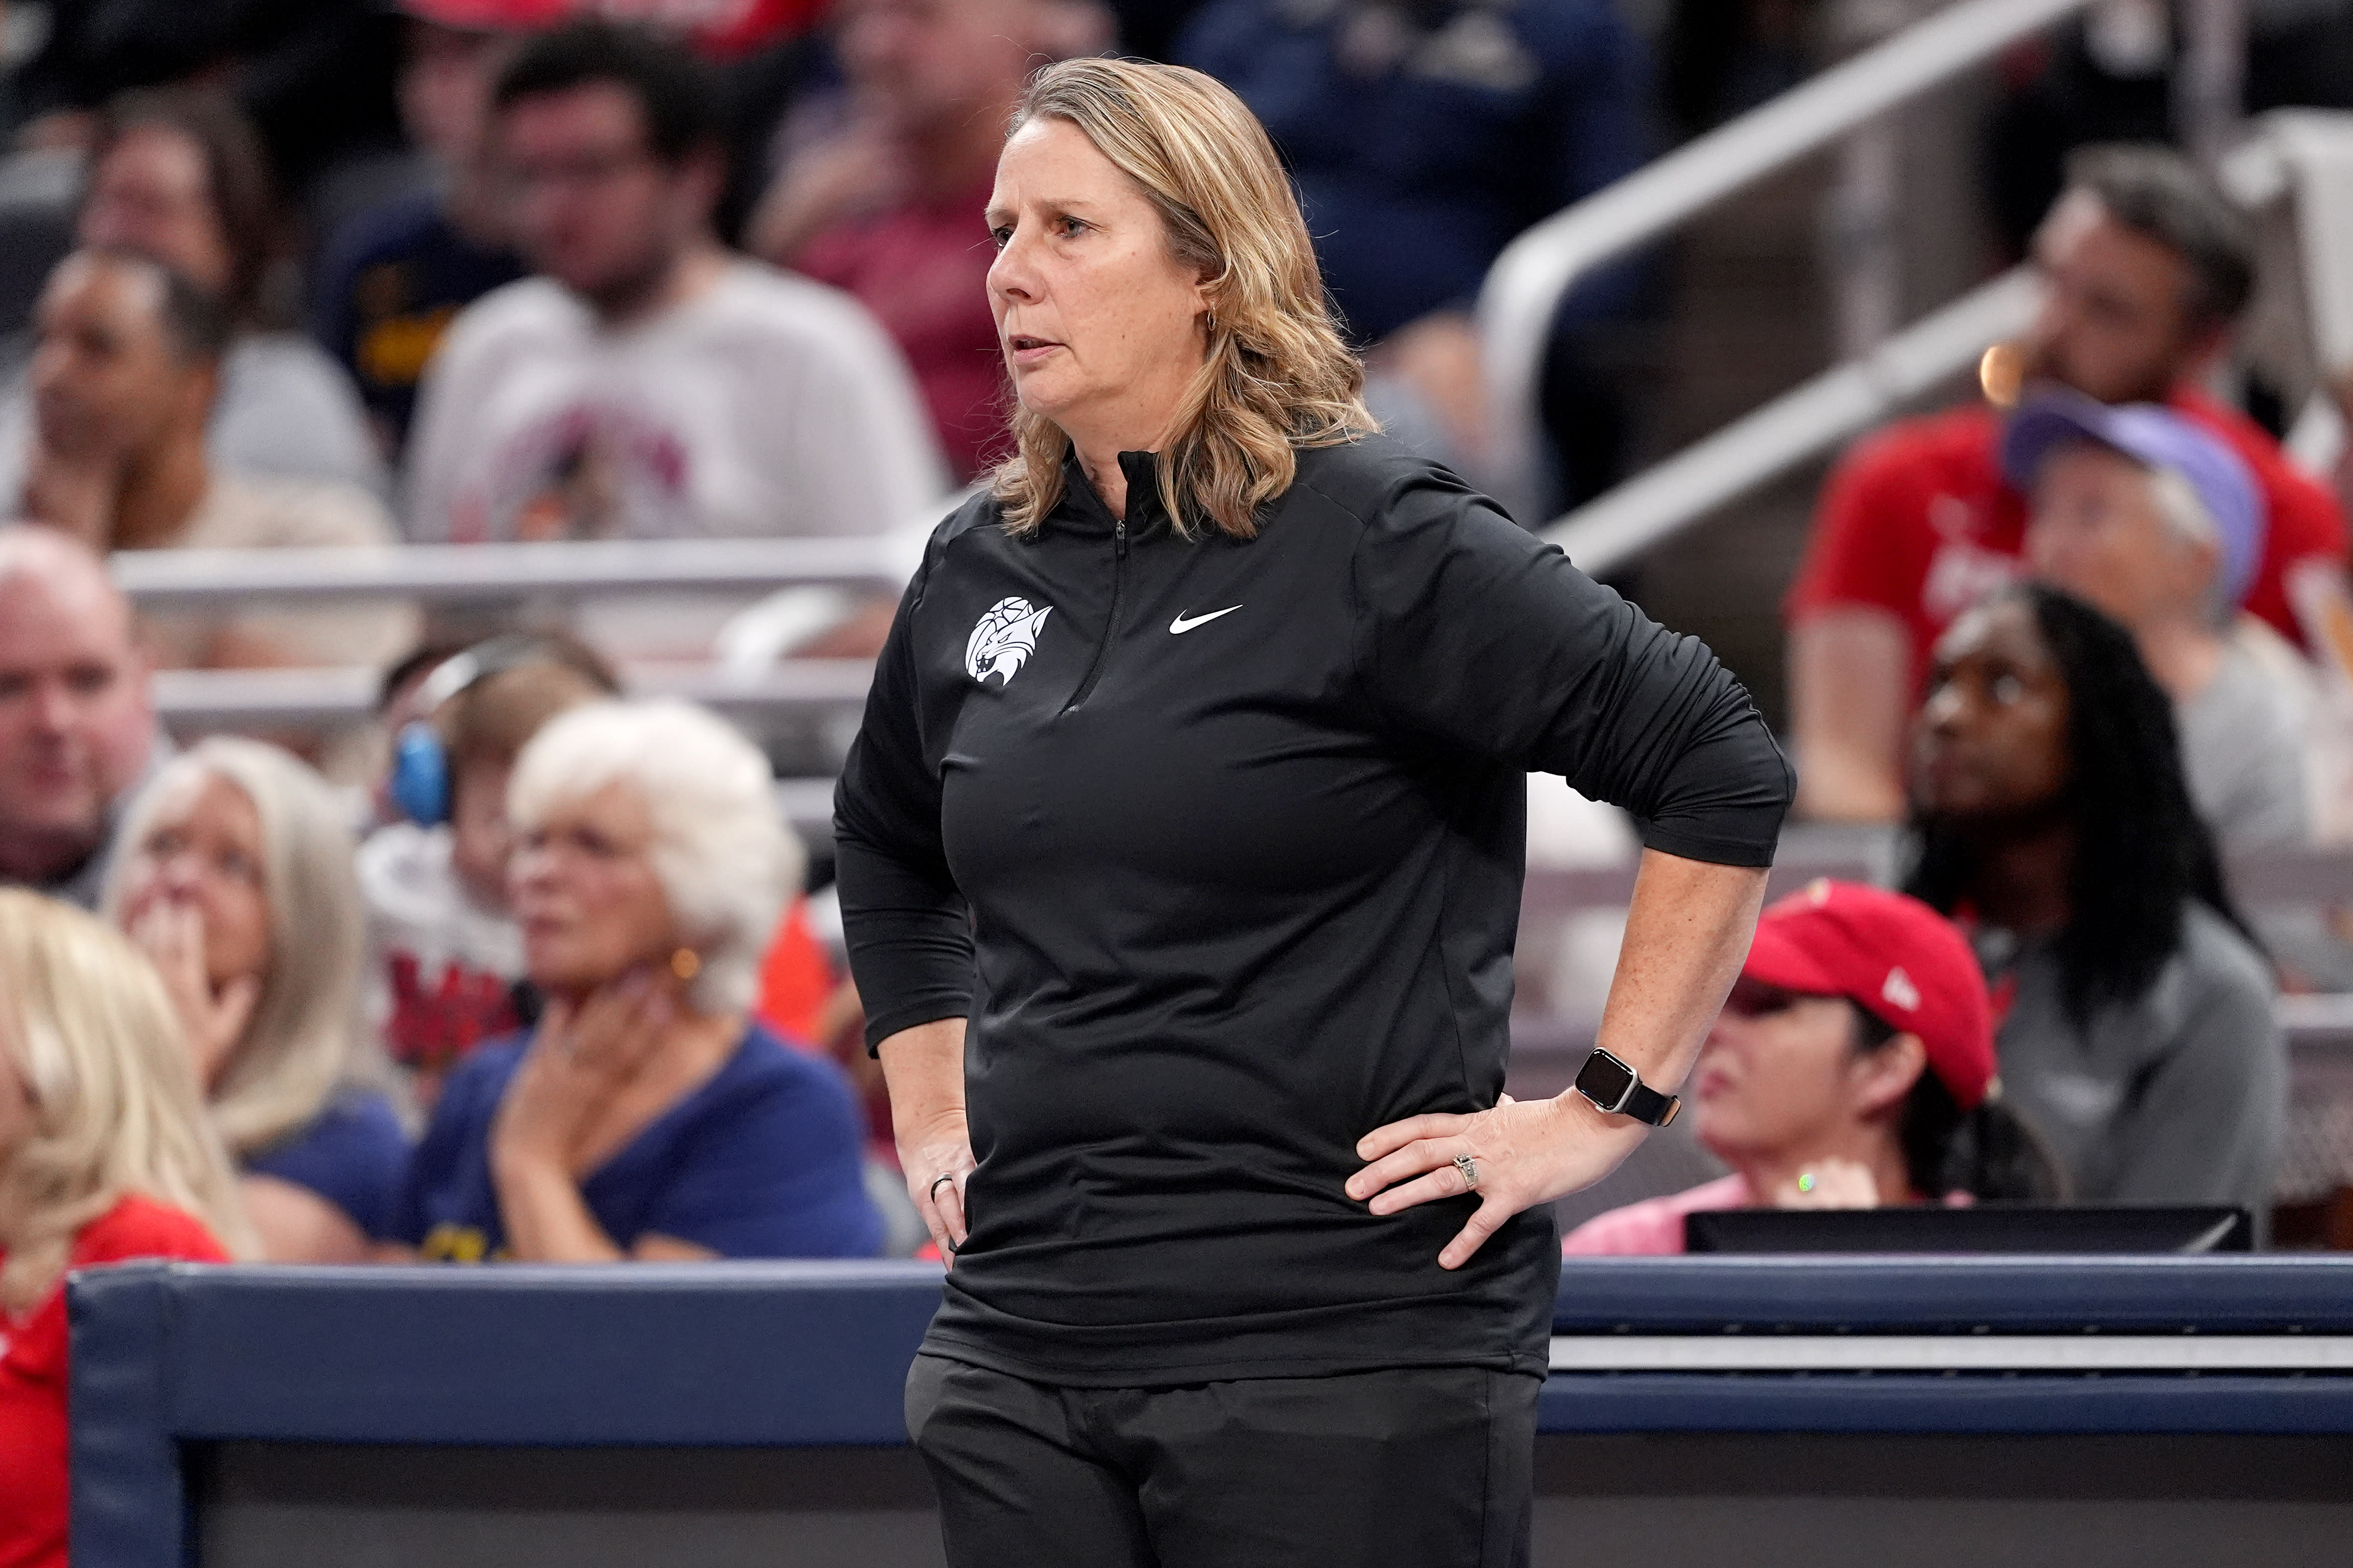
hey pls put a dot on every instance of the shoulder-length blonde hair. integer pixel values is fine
(304, 1039)
(1278, 376)
(114, 1105)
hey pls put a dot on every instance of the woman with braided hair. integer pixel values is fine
(2052, 820)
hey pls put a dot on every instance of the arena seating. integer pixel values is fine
(2319, 1029)
(1886, 1410)
(1822, 1412)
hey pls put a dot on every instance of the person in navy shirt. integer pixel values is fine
(1422, 138)
(236, 878)
(351, 1156)
(750, 1164)
(645, 1116)
(394, 275)
(389, 286)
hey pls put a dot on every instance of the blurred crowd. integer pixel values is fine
(531, 969)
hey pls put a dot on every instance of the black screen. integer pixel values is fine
(1986, 1228)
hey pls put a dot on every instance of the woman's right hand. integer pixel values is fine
(172, 935)
(580, 1057)
(924, 1068)
(937, 1159)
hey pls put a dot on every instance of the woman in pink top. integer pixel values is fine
(1853, 1065)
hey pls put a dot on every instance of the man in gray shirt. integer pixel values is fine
(77, 729)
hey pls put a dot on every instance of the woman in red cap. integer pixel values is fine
(1852, 1067)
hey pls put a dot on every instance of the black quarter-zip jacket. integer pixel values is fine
(1218, 846)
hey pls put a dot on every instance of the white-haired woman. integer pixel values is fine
(105, 1155)
(237, 879)
(646, 1116)
(1194, 774)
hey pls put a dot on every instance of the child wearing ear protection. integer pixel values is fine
(445, 960)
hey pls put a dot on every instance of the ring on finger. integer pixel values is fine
(1469, 1169)
(932, 1192)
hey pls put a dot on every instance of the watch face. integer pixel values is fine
(1604, 1079)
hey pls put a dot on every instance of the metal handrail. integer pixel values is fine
(1848, 399)
(1610, 529)
(193, 700)
(1535, 270)
(480, 573)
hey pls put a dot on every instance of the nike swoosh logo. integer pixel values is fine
(1183, 624)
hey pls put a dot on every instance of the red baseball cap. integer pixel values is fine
(491, 16)
(1894, 957)
(724, 28)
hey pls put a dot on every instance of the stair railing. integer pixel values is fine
(1525, 287)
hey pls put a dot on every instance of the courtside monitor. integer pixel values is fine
(1984, 1227)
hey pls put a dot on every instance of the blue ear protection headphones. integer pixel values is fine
(420, 784)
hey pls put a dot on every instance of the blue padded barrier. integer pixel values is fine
(786, 1355)
(170, 1357)
(2248, 1293)
(1944, 1403)
(127, 1502)
(2262, 1295)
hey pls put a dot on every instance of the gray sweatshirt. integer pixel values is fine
(2242, 753)
(2178, 1097)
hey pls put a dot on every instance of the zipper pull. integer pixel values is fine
(1119, 538)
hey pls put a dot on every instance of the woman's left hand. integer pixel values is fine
(580, 1059)
(1525, 1153)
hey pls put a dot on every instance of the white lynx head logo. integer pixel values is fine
(1003, 640)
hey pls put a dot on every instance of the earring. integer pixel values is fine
(685, 963)
(1211, 321)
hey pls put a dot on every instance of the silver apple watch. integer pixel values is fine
(1619, 1091)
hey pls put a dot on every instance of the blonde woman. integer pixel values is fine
(236, 878)
(1180, 855)
(105, 1154)
(646, 1115)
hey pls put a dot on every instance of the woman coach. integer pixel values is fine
(1192, 776)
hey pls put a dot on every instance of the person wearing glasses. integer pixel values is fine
(646, 384)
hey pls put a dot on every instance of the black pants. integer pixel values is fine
(1429, 1465)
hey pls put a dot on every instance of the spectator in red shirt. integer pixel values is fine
(105, 1154)
(1853, 1066)
(2145, 264)
(887, 205)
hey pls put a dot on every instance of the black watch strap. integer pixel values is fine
(1619, 1091)
(1646, 1104)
